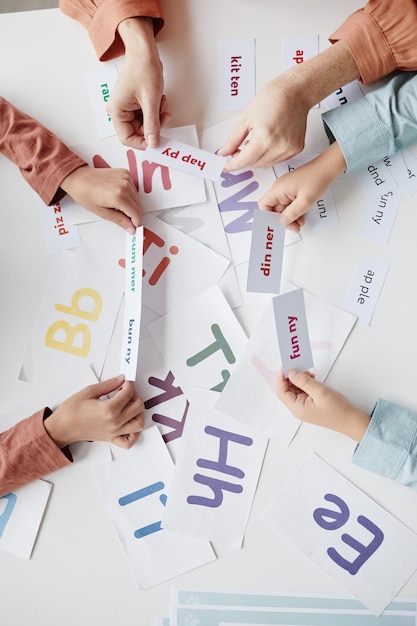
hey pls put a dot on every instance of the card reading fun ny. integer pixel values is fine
(292, 331)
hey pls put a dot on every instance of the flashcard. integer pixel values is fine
(74, 324)
(51, 395)
(186, 158)
(292, 331)
(58, 231)
(410, 184)
(250, 394)
(323, 213)
(344, 532)
(379, 215)
(134, 488)
(159, 187)
(348, 93)
(376, 179)
(219, 607)
(100, 82)
(176, 267)
(21, 514)
(203, 223)
(403, 176)
(215, 476)
(237, 195)
(201, 339)
(236, 64)
(266, 252)
(366, 287)
(166, 405)
(132, 304)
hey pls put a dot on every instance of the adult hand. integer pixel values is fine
(109, 193)
(137, 105)
(85, 416)
(316, 403)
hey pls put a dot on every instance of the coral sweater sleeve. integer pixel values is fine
(27, 453)
(381, 37)
(41, 157)
(102, 17)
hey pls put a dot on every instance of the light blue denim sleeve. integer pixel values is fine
(389, 446)
(378, 125)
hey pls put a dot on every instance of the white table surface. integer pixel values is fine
(78, 573)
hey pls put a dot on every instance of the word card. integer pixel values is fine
(21, 514)
(348, 93)
(159, 186)
(134, 488)
(266, 252)
(405, 178)
(201, 340)
(379, 215)
(292, 331)
(250, 394)
(186, 158)
(366, 287)
(100, 82)
(74, 324)
(323, 213)
(236, 64)
(166, 405)
(176, 267)
(58, 231)
(344, 532)
(133, 304)
(215, 476)
(410, 184)
(376, 179)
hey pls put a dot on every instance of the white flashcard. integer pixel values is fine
(403, 176)
(201, 339)
(236, 63)
(266, 252)
(203, 223)
(321, 214)
(100, 82)
(215, 476)
(297, 49)
(345, 532)
(345, 94)
(132, 304)
(292, 331)
(185, 158)
(250, 394)
(165, 404)
(176, 267)
(366, 287)
(59, 233)
(410, 183)
(134, 488)
(75, 322)
(51, 395)
(379, 215)
(21, 513)
(376, 179)
(159, 186)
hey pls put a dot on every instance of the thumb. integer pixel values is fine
(151, 124)
(304, 381)
(105, 387)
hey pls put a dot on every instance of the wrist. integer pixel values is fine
(356, 425)
(137, 33)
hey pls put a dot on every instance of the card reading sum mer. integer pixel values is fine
(292, 331)
(266, 252)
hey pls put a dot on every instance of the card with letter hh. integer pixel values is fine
(292, 331)
(266, 252)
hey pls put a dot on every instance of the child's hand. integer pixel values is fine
(85, 416)
(295, 193)
(110, 193)
(314, 402)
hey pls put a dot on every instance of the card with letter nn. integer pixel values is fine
(187, 158)
(266, 252)
(292, 331)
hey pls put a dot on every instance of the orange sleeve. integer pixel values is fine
(27, 453)
(102, 17)
(41, 157)
(381, 37)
